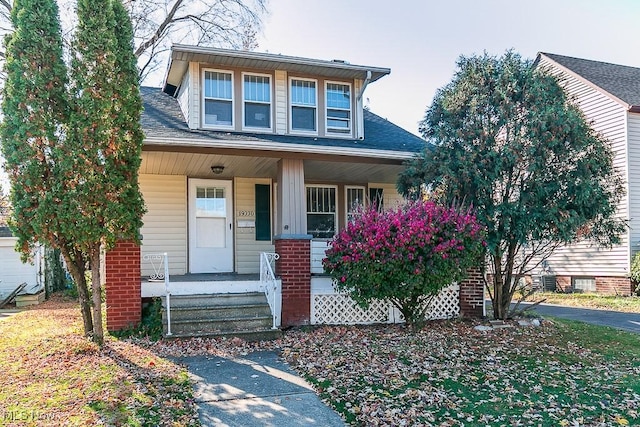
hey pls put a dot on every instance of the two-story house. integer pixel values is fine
(609, 96)
(248, 153)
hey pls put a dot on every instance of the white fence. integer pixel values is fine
(333, 308)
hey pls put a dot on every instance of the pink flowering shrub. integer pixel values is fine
(405, 255)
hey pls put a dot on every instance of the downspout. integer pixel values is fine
(364, 85)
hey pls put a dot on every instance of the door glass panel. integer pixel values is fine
(210, 202)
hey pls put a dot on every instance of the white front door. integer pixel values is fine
(210, 226)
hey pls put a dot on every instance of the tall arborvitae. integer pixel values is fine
(105, 139)
(35, 107)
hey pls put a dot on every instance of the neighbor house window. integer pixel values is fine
(355, 200)
(338, 99)
(584, 284)
(218, 98)
(303, 105)
(257, 101)
(321, 211)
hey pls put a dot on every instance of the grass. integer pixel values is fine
(629, 304)
(53, 376)
(562, 374)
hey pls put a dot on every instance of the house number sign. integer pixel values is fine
(246, 214)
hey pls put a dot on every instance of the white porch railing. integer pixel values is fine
(270, 285)
(160, 272)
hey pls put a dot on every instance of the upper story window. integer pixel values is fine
(304, 105)
(257, 101)
(218, 98)
(338, 99)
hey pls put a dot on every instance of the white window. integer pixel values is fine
(338, 98)
(304, 105)
(256, 91)
(354, 199)
(321, 211)
(584, 284)
(218, 98)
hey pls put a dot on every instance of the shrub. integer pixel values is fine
(635, 273)
(406, 255)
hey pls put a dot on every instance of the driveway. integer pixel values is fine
(615, 319)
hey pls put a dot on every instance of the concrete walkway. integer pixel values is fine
(615, 319)
(255, 390)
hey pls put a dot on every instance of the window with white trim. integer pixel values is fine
(321, 211)
(304, 102)
(218, 98)
(338, 100)
(256, 91)
(355, 200)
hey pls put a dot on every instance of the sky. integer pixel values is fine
(421, 40)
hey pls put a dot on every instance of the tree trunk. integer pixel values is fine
(499, 311)
(97, 297)
(77, 270)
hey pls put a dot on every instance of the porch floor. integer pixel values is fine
(208, 277)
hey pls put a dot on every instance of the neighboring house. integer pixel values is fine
(609, 96)
(13, 271)
(248, 153)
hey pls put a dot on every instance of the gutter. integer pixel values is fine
(275, 146)
(364, 85)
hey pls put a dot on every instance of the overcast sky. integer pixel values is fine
(420, 40)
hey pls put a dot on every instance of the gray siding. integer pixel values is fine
(608, 117)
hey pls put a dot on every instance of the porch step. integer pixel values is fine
(257, 335)
(241, 315)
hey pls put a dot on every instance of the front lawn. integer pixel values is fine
(52, 376)
(606, 302)
(449, 374)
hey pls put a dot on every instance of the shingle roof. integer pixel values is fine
(621, 81)
(162, 117)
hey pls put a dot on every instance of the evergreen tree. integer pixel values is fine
(35, 106)
(508, 141)
(104, 139)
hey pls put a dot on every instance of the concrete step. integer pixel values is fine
(249, 335)
(211, 300)
(218, 326)
(214, 312)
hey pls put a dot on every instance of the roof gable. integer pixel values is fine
(620, 81)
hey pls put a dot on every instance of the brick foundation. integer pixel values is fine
(294, 269)
(472, 294)
(606, 285)
(122, 286)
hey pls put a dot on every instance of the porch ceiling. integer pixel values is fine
(198, 165)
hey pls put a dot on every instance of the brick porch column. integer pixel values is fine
(294, 269)
(472, 294)
(122, 286)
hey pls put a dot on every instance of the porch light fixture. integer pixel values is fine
(217, 169)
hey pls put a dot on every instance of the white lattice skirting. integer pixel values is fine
(333, 308)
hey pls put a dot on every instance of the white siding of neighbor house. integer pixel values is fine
(247, 247)
(281, 101)
(633, 136)
(12, 271)
(609, 118)
(165, 223)
(183, 96)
